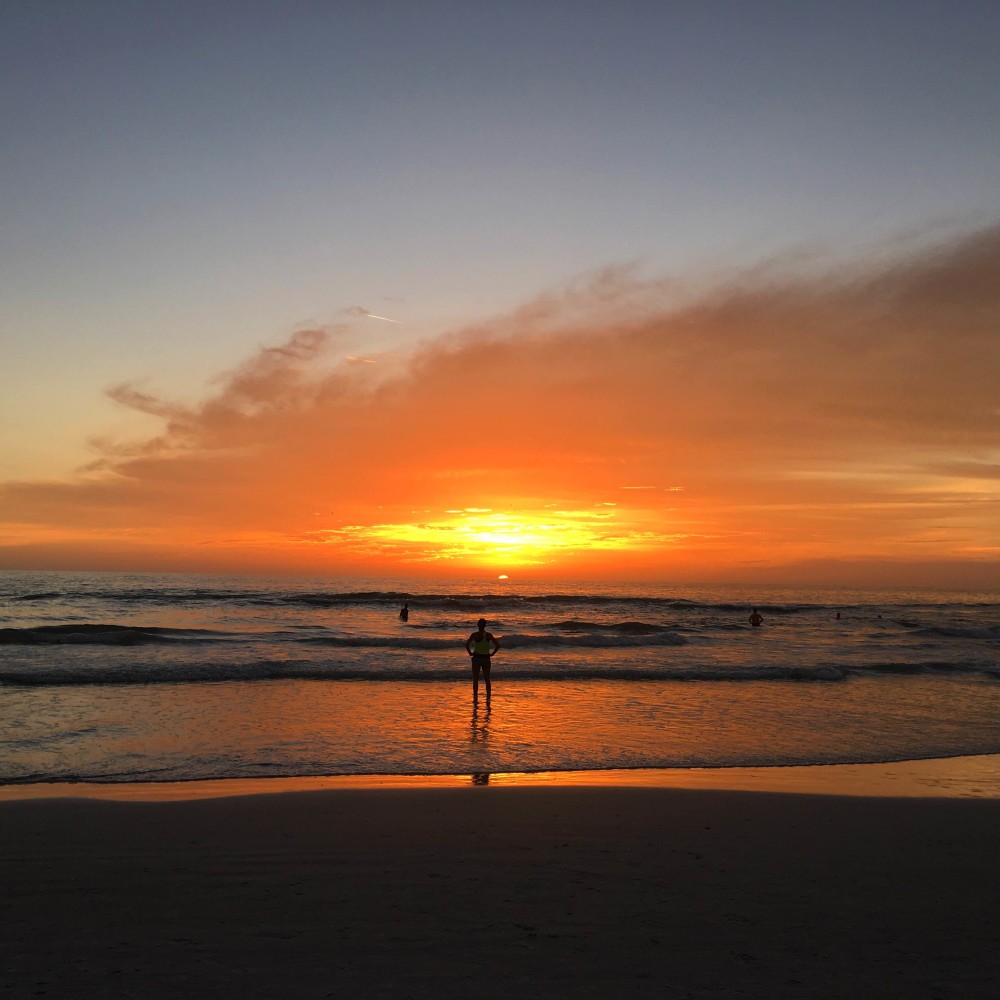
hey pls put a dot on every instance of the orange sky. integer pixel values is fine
(840, 428)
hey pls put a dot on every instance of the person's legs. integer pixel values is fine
(475, 678)
(486, 677)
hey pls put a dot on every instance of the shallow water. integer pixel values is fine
(266, 678)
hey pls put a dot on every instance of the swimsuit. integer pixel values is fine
(481, 651)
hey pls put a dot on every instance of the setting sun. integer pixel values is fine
(478, 536)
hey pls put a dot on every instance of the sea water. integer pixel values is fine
(134, 677)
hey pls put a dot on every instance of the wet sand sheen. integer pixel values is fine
(975, 777)
(536, 891)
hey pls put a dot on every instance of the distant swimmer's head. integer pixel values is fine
(481, 623)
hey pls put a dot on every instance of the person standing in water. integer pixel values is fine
(404, 611)
(756, 618)
(478, 646)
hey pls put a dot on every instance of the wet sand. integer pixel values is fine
(976, 777)
(537, 891)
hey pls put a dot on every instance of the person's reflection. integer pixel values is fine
(479, 735)
(480, 728)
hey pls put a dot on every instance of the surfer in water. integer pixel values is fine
(478, 646)
(404, 612)
(756, 619)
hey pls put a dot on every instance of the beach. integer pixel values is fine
(259, 789)
(534, 891)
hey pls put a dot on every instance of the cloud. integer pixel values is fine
(775, 418)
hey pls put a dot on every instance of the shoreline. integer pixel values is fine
(969, 777)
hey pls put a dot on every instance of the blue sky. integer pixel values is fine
(183, 182)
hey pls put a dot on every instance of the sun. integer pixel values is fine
(480, 536)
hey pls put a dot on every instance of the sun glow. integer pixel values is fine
(481, 536)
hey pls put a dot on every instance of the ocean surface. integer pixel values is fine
(137, 678)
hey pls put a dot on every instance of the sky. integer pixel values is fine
(644, 290)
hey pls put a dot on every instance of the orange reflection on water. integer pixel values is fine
(319, 728)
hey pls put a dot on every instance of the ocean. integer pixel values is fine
(146, 678)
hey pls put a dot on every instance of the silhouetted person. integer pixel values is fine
(755, 619)
(478, 647)
(404, 612)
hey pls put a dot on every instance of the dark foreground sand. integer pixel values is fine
(501, 893)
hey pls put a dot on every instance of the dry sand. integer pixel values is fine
(509, 892)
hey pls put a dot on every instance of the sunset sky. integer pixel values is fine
(635, 290)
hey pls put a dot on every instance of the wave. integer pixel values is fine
(635, 628)
(209, 672)
(97, 634)
(625, 634)
(477, 603)
(223, 672)
(929, 667)
(587, 640)
(961, 632)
